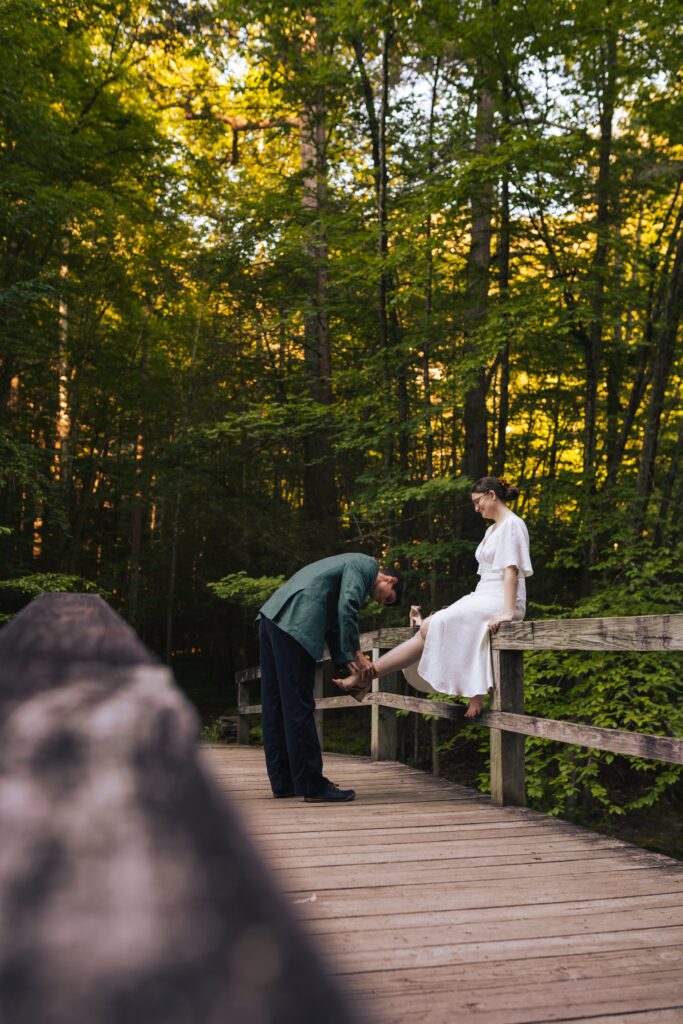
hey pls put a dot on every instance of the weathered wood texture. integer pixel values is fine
(656, 748)
(383, 725)
(632, 633)
(432, 904)
(129, 891)
(653, 748)
(507, 748)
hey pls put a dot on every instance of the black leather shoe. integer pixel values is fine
(281, 796)
(331, 794)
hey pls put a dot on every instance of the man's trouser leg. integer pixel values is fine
(274, 739)
(291, 711)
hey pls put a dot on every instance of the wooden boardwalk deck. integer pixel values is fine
(429, 902)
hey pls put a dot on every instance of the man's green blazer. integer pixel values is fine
(321, 603)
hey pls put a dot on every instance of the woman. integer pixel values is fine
(451, 652)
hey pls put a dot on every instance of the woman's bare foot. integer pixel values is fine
(474, 707)
(352, 686)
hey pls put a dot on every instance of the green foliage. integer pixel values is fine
(246, 590)
(211, 733)
(226, 343)
(44, 582)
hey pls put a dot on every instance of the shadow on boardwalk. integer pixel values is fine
(429, 902)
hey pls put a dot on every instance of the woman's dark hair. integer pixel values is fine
(498, 485)
(399, 586)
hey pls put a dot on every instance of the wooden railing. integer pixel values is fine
(129, 889)
(506, 719)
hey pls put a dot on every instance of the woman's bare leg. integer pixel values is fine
(407, 653)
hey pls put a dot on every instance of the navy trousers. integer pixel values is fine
(293, 757)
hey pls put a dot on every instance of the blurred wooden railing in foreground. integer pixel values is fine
(129, 892)
(506, 719)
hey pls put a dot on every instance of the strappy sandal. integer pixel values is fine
(356, 690)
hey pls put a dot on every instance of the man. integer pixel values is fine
(319, 603)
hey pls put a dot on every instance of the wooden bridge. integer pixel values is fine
(132, 890)
(432, 899)
(429, 902)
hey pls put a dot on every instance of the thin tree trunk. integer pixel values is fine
(428, 330)
(475, 460)
(389, 329)
(62, 456)
(175, 521)
(320, 503)
(662, 366)
(172, 578)
(500, 453)
(603, 222)
(137, 520)
(669, 488)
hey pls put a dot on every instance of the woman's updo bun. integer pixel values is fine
(501, 488)
(509, 492)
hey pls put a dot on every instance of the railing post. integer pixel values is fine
(317, 693)
(507, 749)
(383, 725)
(242, 720)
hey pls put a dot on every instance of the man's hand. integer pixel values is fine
(361, 665)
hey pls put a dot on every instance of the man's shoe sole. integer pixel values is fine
(329, 799)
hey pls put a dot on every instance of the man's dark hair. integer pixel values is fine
(399, 586)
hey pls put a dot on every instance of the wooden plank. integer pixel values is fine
(455, 896)
(507, 749)
(619, 633)
(389, 878)
(248, 675)
(420, 889)
(242, 721)
(617, 741)
(383, 727)
(421, 706)
(493, 929)
(386, 638)
(474, 951)
(665, 1016)
(555, 915)
(451, 849)
(655, 748)
(514, 978)
(543, 1003)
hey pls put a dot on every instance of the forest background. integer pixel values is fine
(281, 280)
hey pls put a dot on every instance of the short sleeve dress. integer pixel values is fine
(457, 655)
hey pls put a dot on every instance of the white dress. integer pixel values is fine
(457, 657)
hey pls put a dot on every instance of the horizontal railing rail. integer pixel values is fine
(506, 720)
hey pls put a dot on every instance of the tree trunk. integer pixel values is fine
(320, 502)
(475, 456)
(500, 452)
(603, 224)
(389, 328)
(137, 520)
(665, 340)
